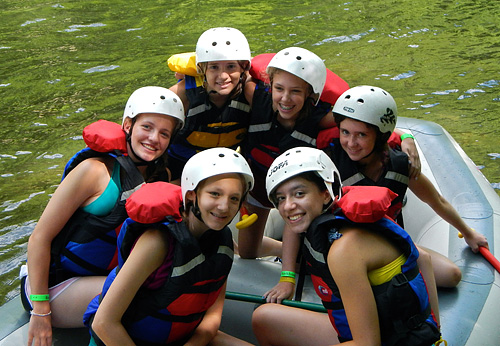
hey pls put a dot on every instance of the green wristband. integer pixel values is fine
(288, 274)
(407, 135)
(39, 297)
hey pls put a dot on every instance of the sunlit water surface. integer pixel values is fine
(66, 64)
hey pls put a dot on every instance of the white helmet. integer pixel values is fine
(300, 160)
(369, 104)
(212, 162)
(154, 99)
(220, 44)
(304, 64)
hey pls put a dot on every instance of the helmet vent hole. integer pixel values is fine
(221, 155)
(298, 57)
(348, 97)
(163, 97)
(286, 53)
(228, 43)
(361, 101)
(214, 44)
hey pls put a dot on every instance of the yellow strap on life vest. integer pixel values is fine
(184, 63)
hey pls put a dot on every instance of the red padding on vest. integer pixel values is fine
(365, 203)
(334, 86)
(326, 136)
(152, 202)
(105, 136)
(259, 66)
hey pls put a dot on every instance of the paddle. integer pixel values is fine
(487, 254)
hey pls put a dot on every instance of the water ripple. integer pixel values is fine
(10, 205)
(33, 21)
(101, 68)
(404, 75)
(344, 38)
(77, 27)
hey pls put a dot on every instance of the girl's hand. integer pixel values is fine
(475, 239)
(408, 146)
(40, 331)
(283, 290)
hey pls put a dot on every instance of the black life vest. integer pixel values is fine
(86, 245)
(403, 306)
(395, 178)
(208, 126)
(170, 313)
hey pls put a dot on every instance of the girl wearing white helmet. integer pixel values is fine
(152, 118)
(217, 111)
(366, 116)
(347, 262)
(156, 273)
(286, 115)
(72, 247)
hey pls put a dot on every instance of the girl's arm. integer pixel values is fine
(147, 255)
(408, 146)
(327, 121)
(82, 184)
(290, 249)
(249, 90)
(426, 191)
(349, 263)
(180, 90)
(210, 324)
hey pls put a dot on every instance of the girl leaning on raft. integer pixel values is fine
(73, 245)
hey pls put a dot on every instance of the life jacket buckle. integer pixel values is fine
(399, 280)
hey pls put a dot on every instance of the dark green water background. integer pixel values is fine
(66, 64)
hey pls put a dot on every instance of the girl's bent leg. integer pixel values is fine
(446, 272)
(276, 324)
(69, 306)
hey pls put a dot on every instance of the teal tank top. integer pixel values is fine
(105, 202)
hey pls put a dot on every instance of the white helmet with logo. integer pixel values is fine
(154, 99)
(304, 64)
(220, 44)
(212, 162)
(368, 104)
(300, 160)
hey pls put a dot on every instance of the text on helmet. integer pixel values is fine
(277, 168)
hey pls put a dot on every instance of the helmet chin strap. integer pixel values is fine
(196, 210)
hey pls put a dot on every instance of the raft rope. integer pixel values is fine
(252, 298)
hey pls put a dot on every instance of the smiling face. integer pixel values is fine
(223, 76)
(300, 201)
(219, 199)
(151, 134)
(357, 139)
(289, 93)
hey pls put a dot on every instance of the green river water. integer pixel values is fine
(66, 64)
